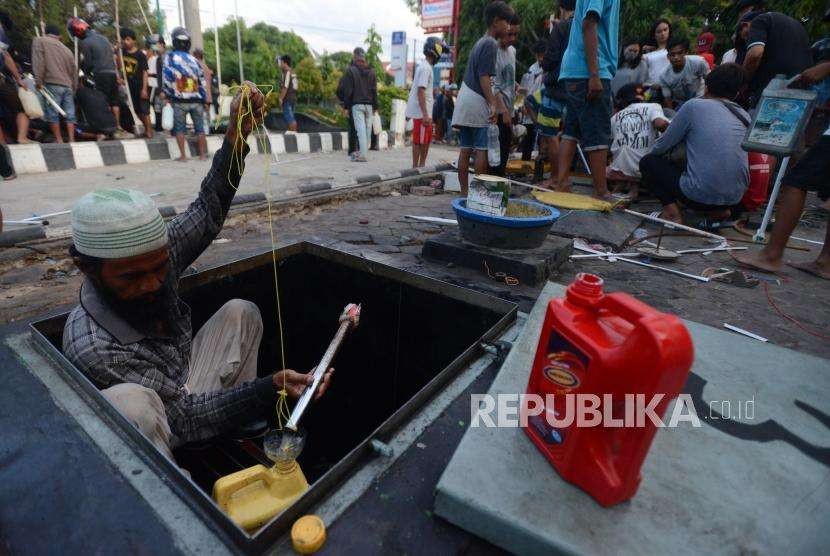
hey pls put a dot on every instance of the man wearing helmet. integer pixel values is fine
(184, 86)
(98, 65)
(419, 105)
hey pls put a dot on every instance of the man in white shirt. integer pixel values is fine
(635, 127)
(419, 104)
(683, 79)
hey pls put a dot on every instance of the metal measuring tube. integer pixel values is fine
(348, 319)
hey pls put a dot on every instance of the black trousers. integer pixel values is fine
(352, 134)
(528, 142)
(662, 178)
(6, 169)
(505, 141)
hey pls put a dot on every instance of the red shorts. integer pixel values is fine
(421, 134)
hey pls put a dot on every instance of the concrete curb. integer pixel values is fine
(9, 238)
(34, 158)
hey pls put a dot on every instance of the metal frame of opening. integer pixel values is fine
(200, 502)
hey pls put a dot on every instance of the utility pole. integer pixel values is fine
(414, 57)
(238, 42)
(193, 23)
(216, 43)
(456, 16)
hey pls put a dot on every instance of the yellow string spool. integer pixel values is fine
(246, 109)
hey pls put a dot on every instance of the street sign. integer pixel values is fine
(398, 59)
(436, 13)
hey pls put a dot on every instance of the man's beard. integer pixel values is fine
(144, 311)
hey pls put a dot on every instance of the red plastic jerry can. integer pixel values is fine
(598, 346)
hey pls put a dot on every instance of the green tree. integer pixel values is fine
(261, 44)
(374, 46)
(311, 81)
(100, 14)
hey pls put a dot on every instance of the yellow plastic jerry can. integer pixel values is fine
(253, 496)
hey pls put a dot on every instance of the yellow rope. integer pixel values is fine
(246, 109)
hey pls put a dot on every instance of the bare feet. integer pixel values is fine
(549, 184)
(816, 268)
(759, 260)
(181, 159)
(10, 178)
(562, 187)
(718, 215)
(202, 157)
(672, 214)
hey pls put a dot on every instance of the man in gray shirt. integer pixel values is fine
(504, 86)
(683, 79)
(716, 172)
(476, 106)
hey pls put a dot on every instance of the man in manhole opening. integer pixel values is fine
(132, 334)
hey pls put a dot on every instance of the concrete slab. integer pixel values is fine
(530, 266)
(612, 228)
(739, 485)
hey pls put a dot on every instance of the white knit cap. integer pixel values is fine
(116, 224)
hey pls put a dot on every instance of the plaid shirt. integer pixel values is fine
(110, 351)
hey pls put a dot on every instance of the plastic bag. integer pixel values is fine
(167, 117)
(377, 125)
(31, 103)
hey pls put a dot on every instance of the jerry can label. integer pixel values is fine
(563, 371)
(565, 365)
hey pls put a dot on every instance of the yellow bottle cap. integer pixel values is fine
(308, 534)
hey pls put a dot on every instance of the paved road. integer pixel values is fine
(179, 181)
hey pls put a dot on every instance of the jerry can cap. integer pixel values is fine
(308, 534)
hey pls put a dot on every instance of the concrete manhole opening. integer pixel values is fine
(415, 335)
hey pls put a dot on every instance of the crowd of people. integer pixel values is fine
(655, 113)
(112, 91)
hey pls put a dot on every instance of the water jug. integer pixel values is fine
(493, 147)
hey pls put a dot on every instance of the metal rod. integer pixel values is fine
(745, 332)
(676, 225)
(582, 156)
(238, 42)
(581, 247)
(604, 255)
(23, 222)
(144, 15)
(218, 61)
(807, 240)
(61, 213)
(433, 220)
(711, 250)
(50, 100)
(348, 319)
(761, 233)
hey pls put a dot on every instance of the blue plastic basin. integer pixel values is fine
(505, 232)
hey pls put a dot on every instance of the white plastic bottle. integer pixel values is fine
(493, 147)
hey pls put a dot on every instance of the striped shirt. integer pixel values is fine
(109, 351)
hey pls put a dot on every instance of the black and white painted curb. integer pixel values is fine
(33, 158)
